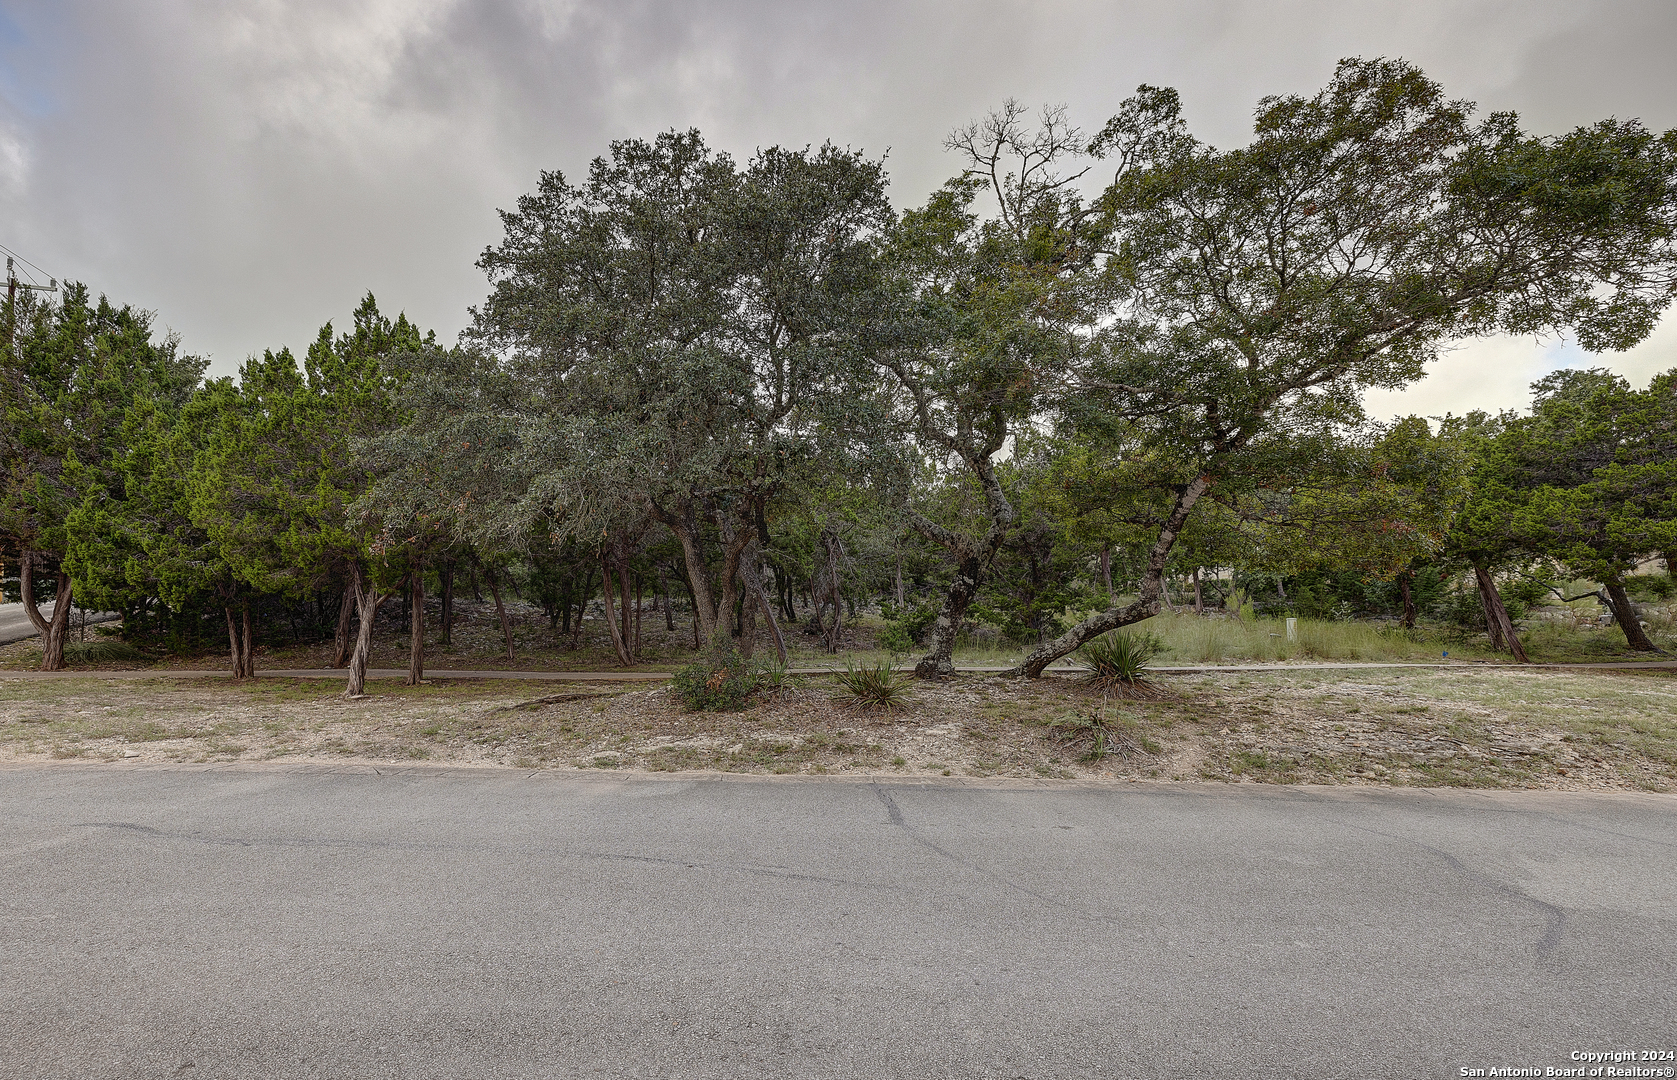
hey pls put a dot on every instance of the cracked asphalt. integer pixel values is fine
(286, 921)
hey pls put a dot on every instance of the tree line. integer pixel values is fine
(1037, 394)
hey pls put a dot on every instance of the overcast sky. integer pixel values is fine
(248, 170)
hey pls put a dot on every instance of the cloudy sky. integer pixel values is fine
(249, 169)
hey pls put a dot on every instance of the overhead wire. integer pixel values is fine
(20, 259)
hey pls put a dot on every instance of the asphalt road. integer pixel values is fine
(15, 624)
(298, 922)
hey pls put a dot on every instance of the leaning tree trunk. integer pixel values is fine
(1147, 602)
(500, 610)
(750, 570)
(416, 628)
(367, 601)
(1496, 616)
(1404, 583)
(341, 637)
(53, 631)
(620, 646)
(1624, 613)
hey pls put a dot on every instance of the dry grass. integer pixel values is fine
(1472, 727)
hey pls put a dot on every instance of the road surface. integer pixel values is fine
(266, 921)
(15, 624)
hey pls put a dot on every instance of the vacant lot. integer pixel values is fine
(1467, 727)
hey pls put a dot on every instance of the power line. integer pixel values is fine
(11, 255)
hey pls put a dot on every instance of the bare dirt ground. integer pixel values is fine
(1481, 728)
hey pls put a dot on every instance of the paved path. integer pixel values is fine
(253, 922)
(660, 676)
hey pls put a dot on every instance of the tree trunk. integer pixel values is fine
(669, 605)
(416, 627)
(630, 638)
(235, 655)
(1281, 588)
(902, 600)
(1496, 616)
(239, 646)
(1106, 573)
(1408, 621)
(446, 573)
(54, 631)
(939, 659)
(972, 558)
(341, 636)
(705, 612)
(639, 590)
(500, 610)
(617, 642)
(367, 601)
(1624, 613)
(750, 571)
(1199, 598)
(1146, 604)
(583, 597)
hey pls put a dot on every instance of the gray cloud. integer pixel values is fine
(249, 170)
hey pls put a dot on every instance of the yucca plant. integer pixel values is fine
(1121, 656)
(1118, 660)
(874, 686)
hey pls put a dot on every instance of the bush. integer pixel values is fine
(874, 686)
(722, 682)
(905, 628)
(1121, 657)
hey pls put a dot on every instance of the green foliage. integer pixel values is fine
(1121, 656)
(874, 686)
(1651, 586)
(905, 628)
(722, 682)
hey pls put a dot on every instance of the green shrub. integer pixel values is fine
(722, 682)
(874, 686)
(905, 628)
(1120, 656)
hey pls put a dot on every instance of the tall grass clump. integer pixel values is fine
(88, 653)
(874, 686)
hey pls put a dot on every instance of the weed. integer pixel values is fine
(1101, 735)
